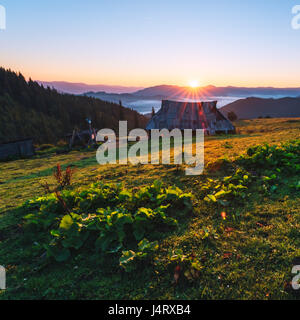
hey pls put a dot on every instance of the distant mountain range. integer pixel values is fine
(261, 101)
(212, 91)
(79, 88)
(202, 93)
(167, 91)
(252, 108)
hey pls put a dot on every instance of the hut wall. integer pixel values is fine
(17, 148)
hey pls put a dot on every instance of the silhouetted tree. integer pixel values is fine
(136, 120)
(28, 109)
(153, 112)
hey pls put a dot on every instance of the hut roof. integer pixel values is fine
(15, 141)
(190, 115)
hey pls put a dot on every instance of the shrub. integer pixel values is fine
(264, 157)
(109, 216)
(230, 188)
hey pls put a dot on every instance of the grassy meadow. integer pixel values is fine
(241, 245)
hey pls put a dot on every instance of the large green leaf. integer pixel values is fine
(66, 222)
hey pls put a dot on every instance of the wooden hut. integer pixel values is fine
(19, 148)
(191, 115)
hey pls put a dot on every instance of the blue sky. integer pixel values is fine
(143, 43)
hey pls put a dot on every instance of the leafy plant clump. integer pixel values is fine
(229, 189)
(273, 164)
(130, 259)
(108, 218)
(264, 164)
(269, 158)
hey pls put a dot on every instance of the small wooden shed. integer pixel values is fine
(19, 148)
(191, 115)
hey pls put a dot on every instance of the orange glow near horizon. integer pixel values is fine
(41, 71)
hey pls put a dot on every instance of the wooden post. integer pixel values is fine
(72, 139)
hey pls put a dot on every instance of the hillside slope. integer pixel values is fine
(27, 109)
(248, 253)
(252, 108)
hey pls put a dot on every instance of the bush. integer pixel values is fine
(109, 217)
(264, 157)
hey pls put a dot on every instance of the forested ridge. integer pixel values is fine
(27, 109)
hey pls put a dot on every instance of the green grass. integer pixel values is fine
(247, 256)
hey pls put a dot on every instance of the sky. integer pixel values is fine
(147, 43)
